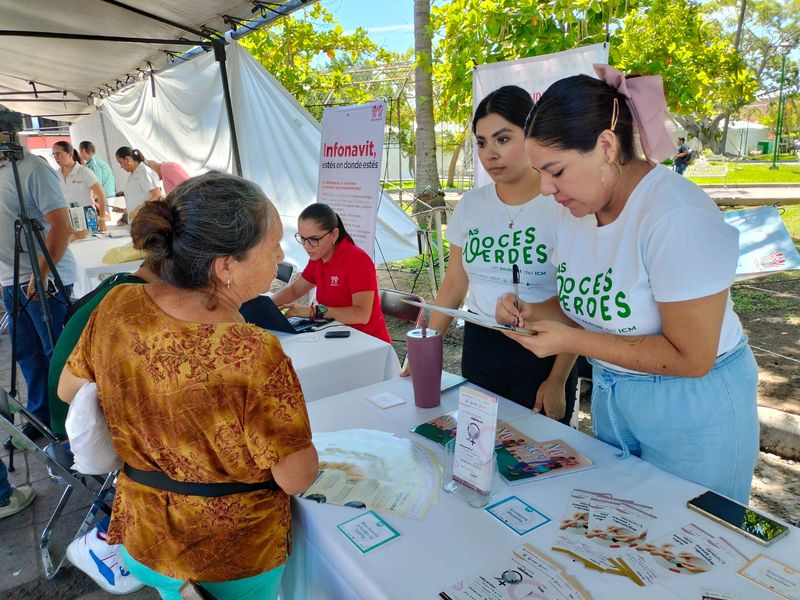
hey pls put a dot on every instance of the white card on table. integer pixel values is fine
(517, 514)
(473, 459)
(778, 578)
(367, 531)
(386, 400)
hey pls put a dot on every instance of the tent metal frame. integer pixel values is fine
(210, 40)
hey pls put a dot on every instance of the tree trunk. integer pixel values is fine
(451, 169)
(427, 183)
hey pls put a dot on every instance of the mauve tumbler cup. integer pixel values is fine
(425, 359)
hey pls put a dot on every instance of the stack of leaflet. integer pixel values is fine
(527, 573)
(610, 535)
(520, 458)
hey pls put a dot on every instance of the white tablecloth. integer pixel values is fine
(327, 366)
(454, 540)
(89, 256)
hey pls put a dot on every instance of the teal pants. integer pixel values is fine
(259, 587)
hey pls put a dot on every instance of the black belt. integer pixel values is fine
(160, 481)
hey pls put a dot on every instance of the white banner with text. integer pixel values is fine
(350, 167)
(533, 74)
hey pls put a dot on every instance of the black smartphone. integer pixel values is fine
(341, 333)
(743, 519)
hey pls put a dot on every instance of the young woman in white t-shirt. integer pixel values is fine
(142, 184)
(645, 263)
(79, 184)
(494, 228)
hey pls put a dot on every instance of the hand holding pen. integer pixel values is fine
(515, 282)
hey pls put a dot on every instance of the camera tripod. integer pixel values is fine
(29, 230)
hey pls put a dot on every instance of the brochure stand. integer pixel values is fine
(473, 496)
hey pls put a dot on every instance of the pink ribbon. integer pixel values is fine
(645, 99)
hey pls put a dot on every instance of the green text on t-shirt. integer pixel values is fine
(507, 248)
(591, 296)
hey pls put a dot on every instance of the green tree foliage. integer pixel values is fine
(703, 75)
(476, 32)
(770, 26)
(312, 53)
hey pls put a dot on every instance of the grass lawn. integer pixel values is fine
(791, 218)
(786, 173)
(750, 301)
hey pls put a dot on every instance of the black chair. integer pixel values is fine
(393, 304)
(584, 376)
(59, 462)
(285, 272)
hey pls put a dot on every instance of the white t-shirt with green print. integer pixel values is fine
(480, 226)
(669, 244)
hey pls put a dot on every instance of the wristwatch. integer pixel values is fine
(320, 311)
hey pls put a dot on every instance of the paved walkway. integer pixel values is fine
(21, 574)
(733, 194)
(754, 195)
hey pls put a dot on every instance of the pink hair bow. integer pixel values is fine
(645, 99)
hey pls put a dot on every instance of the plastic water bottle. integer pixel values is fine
(91, 218)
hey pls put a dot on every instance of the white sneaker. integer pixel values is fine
(102, 562)
(20, 498)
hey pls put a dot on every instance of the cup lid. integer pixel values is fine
(417, 333)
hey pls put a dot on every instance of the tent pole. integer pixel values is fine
(105, 135)
(219, 55)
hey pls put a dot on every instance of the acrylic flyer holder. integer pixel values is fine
(470, 462)
(473, 496)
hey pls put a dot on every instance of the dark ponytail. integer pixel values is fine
(327, 218)
(127, 151)
(574, 111)
(67, 147)
(510, 102)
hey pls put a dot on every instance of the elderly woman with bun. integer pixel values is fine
(205, 410)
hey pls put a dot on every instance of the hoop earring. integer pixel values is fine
(603, 172)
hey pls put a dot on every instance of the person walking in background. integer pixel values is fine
(681, 158)
(170, 173)
(78, 182)
(204, 409)
(99, 167)
(674, 380)
(343, 274)
(142, 184)
(494, 230)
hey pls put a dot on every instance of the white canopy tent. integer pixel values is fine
(279, 140)
(743, 136)
(62, 59)
(58, 55)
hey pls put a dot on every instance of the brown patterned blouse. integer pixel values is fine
(202, 403)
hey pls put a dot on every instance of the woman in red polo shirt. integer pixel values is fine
(344, 275)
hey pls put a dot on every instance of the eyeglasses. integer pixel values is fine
(311, 241)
